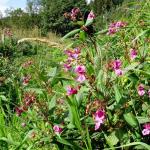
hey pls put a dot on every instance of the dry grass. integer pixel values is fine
(35, 35)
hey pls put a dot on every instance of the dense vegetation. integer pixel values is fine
(93, 94)
(48, 15)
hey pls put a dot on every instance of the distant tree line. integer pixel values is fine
(48, 15)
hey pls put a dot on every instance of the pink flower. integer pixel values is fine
(26, 80)
(99, 118)
(76, 53)
(116, 67)
(68, 52)
(91, 15)
(81, 78)
(67, 67)
(133, 53)
(73, 53)
(118, 72)
(19, 111)
(69, 60)
(77, 50)
(145, 132)
(120, 24)
(23, 124)
(74, 13)
(141, 90)
(80, 69)
(117, 64)
(27, 63)
(147, 126)
(57, 129)
(113, 27)
(112, 31)
(71, 91)
(29, 98)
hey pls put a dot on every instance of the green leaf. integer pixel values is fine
(63, 141)
(52, 103)
(117, 94)
(102, 32)
(132, 66)
(141, 34)
(112, 139)
(36, 90)
(9, 141)
(146, 146)
(142, 119)
(52, 72)
(131, 119)
(71, 33)
(3, 98)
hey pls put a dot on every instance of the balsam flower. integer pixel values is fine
(91, 15)
(19, 111)
(133, 54)
(73, 53)
(146, 130)
(74, 13)
(99, 118)
(25, 80)
(71, 91)
(116, 67)
(80, 69)
(57, 129)
(67, 67)
(81, 78)
(114, 27)
(141, 90)
(117, 64)
(118, 72)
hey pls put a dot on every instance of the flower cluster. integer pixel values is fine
(99, 118)
(114, 27)
(74, 13)
(27, 64)
(72, 55)
(117, 67)
(28, 99)
(146, 130)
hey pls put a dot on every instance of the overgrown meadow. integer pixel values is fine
(92, 93)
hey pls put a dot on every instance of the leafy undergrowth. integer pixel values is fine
(94, 95)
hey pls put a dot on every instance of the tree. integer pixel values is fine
(52, 14)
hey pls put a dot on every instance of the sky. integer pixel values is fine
(16, 4)
(12, 3)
